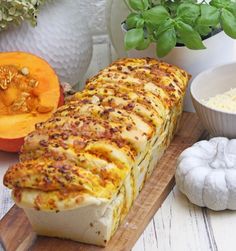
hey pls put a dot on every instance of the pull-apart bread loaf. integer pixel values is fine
(80, 171)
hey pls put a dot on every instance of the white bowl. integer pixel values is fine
(208, 84)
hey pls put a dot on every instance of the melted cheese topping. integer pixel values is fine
(224, 102)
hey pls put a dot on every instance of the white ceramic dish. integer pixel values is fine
(209, 84)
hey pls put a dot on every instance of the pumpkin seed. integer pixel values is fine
(25, 71)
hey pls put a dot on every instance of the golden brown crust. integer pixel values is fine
(90, 144)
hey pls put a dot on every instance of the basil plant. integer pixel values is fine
(170, 23)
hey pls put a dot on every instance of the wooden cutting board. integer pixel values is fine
(16, 233)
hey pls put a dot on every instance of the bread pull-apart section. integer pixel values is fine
(80, 171)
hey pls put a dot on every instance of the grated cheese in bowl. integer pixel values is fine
(225, 102)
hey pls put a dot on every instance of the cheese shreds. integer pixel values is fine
(224, 102)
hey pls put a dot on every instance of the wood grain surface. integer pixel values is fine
(17, 235)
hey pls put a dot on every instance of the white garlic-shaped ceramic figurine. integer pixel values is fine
(206, 174)
(61, 37)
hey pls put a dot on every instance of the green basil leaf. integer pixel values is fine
(220, 3)
(146, 4)
(189, 36)
(203, 30)
(188, 1)
(132, 20)
(188, 12)
(166, 42)
(140, 23)
(232, 8)
(166, 25)
(210, 15)
(139, 4)
(172, 7)
(144, 44)
(133, 38)
(156, 15)
(228, 22)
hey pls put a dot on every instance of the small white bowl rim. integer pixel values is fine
(207, 72)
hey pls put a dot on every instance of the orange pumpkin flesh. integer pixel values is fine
(19, 114)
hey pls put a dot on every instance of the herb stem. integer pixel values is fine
(127, 5)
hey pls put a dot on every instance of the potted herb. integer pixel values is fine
(192, 34)
(52, 29)
(173, 23)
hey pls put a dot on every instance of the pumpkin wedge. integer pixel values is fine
(29, 93)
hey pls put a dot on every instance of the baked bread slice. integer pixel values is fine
(80, 171)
